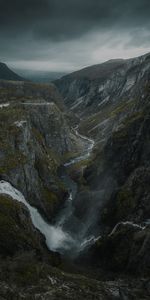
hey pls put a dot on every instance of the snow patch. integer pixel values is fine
(78, 102)
(39, 103)
(104, 101)
(101, 125)
(101, 88)
(4, 105)
(90, 241)
(20, 123)
(126, 223)
(129, 83)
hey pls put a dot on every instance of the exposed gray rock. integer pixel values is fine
(88, 90)
(35, 140)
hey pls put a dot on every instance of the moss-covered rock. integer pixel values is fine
(125, 250)
(16, 230)
(125, 203)
(53, 200)
(25, 269)
(131, 202)
(12, 162)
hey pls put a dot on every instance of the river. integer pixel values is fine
(57, 236)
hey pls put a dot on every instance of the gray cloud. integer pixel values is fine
(37, 29)
(57, 19)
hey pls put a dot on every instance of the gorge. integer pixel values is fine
(74, 184)
(57, 239)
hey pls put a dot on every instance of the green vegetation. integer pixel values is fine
(122, 133)
(125, 203)
(127, 123)
(53, 160)
(9, 138)
(76, 171)
(50, 199)
(10, 114)
(122, 108)
(133, 117)
(15, 234)
(68, 156)
(107, 112)
(80, 165)
(37, 135)
(28, 272)
(12, 161)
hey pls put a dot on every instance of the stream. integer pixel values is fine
(59, 237)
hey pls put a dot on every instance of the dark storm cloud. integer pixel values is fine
(57, 30)
(66, 19)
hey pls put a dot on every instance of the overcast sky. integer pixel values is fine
(64, 35)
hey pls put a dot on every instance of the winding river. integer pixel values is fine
(57, 237)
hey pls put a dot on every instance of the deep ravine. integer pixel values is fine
(56, 235)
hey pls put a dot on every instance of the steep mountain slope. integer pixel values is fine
(35, 140)
(109, 201)
(115, 111)
(87, 91)
(8, 74)
(81, 86)
(121, 130)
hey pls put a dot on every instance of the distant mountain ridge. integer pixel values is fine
(86, 90)
(8, 74)
(97, 71)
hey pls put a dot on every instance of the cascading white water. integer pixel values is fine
(57, 238)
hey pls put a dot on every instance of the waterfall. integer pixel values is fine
(57, 238)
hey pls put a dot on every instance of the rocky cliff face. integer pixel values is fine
(129, 244)
(122, 154)
(120, 127)
(113, 104)
(35, 141)
(89, 90)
